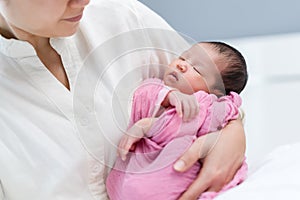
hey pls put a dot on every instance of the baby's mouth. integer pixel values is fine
(174, 74)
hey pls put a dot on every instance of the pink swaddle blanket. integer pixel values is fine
(148, 171)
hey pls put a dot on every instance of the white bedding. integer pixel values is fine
(277, 176)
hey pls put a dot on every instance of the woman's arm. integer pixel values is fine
(222, 154)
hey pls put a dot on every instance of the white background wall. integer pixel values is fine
(212, 19)
(271, 97)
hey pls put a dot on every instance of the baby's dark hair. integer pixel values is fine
(234, 74)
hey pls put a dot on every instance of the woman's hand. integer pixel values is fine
(222, 153)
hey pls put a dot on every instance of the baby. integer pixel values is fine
(209, 75)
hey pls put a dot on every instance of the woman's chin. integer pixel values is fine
(68, 31)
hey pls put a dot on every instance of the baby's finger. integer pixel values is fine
(124, 147)
(126, 151)
(194, 109)
(123, 154)
(197, 108)
(186, 111)
(122, 142)
(178, 108)
(132, 148)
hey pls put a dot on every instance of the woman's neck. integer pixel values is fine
(4, 29)
(9, 31)
(48, 56)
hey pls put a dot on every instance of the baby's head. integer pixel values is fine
(214, 67)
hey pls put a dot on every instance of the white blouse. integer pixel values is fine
(59, 144)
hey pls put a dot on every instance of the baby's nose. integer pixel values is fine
(182, 66)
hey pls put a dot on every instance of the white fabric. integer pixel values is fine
(275, 177)
(44, 151)
(1, 191)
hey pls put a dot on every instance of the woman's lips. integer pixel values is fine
(74, 19)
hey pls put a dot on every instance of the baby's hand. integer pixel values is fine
(134, 134)
(186, 105)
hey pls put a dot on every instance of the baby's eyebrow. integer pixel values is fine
(181, 58)
(185, 55)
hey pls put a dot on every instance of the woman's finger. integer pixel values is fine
(199, 149)
(199, 186)
(191, 156)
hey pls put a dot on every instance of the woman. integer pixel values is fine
(42, 155)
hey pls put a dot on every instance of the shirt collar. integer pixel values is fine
(20, 49)
(16, 48)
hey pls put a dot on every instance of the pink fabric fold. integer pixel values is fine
(148, 172)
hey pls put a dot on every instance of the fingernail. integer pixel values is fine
(179, 165)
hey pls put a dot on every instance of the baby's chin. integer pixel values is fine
(169, 83)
